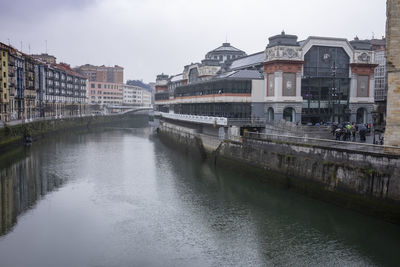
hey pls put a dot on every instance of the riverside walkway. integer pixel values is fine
(325, 143)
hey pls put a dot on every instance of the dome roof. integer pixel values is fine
(227, 47)
(225, 52)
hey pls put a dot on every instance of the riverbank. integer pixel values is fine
(366, 182)
(13, 135)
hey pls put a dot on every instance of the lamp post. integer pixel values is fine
(334, 94)
(374, 116)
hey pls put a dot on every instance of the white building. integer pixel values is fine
(136, 96)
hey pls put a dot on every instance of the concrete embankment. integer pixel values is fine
(361, 181)
(11, 136)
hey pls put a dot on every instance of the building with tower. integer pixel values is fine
(319, 79)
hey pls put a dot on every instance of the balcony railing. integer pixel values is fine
(196, 119)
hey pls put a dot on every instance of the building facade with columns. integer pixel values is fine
(320, 79)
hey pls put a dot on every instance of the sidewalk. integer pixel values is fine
(17, 122)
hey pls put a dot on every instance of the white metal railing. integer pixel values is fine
(247, 121)
(354, 146)
(222, 121)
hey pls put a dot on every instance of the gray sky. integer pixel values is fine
(148, 37)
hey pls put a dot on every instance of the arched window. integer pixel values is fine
(193, 75)
(270, 114)
(289, 114)
(361, 115)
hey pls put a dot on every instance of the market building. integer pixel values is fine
(320, 79)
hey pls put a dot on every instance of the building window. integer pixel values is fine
(289, 84)
(99, 92)
(363, 86)
(271, 84)
(98, 85)
(92, 85)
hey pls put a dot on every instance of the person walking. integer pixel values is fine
(353, 132)
(338, 133)
(362, 130)
(333, 128)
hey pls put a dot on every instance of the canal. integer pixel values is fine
(119, 197)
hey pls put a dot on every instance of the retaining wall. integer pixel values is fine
(11, 136)
(366, 182)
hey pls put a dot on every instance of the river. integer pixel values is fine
(119, 197)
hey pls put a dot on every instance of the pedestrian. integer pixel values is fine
(338, 133)
(362, 130)
(333, 128)
(353, 132)
(348, 131)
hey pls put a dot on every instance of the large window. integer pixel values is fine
(289, 84)
(229, 110)
(214, 87)
(324, 61)
(363, 86)
(324, 98)
(193, 75)
(271, 85)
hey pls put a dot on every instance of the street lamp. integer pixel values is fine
(374, 116)
(334, 90)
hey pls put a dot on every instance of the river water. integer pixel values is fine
(119, 197)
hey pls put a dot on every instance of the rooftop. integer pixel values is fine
(226, 47)
(283, 39)
(241, 74)
(248, 61)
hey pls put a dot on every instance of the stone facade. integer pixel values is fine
(392, 135)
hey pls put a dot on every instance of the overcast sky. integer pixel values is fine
(148, 37)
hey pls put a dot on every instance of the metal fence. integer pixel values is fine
(252, 122)
(326, 143)
(195, 118)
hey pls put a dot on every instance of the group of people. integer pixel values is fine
(348, 132)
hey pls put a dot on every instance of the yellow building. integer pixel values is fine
(4, 90)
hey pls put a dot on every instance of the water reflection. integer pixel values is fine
(126, 200)
(269, 226)
(21, 185)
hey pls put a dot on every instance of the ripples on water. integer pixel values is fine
(120, 198)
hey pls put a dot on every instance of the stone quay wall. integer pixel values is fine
(365, 182)
(392, 134)
(12, 136)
